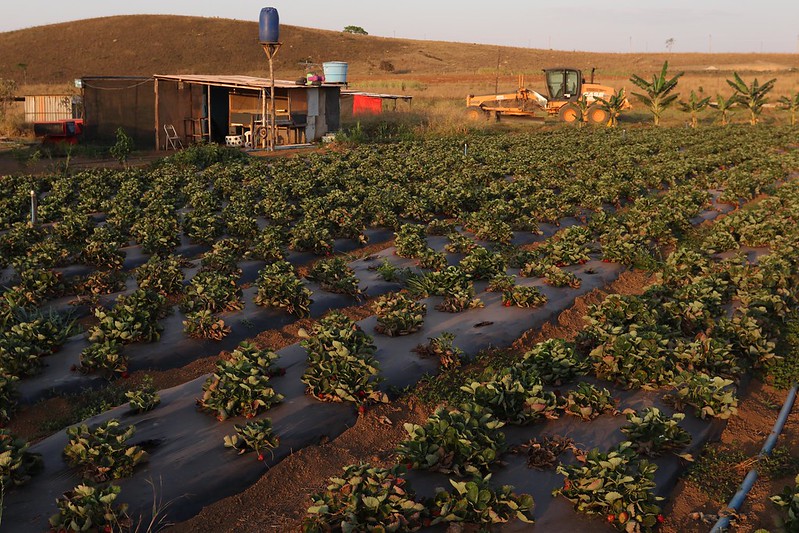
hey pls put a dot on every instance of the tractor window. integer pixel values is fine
(555, 84)
(572, 83)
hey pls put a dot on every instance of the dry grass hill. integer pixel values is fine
(54, 55)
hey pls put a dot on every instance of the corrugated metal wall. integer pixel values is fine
(47, 108)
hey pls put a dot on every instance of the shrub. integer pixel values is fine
(460, 441)
(240, 385)
(365, 498)
(397, 314)
(103, 453)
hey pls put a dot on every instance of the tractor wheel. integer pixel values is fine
(569, 113)
(476, 114)
(597, 115)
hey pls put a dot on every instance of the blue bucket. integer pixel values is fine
(335, 71)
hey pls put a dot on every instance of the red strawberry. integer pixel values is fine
(426, 522)
(611, 517)
(361, 410)
(125, 374)
(260, 457)
(506, 304)
(661, 518)
(606, 260)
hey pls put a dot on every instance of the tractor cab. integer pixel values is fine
(564, 84)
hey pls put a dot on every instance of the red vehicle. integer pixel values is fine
(59, 131)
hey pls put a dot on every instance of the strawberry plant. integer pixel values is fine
(269, 244)
(482, 264)
(102, 282)
(213, 291)
(310, 235)
(203, 324)
(256, 436)
(514, 395)
(103, 249)
(157, 233)
(17, 464)
(8, 395)
(462, 441)
(555, 362)
(105, 357)
(588, 401)
(341, 362)
(86, 507)
(433, 260)
(710, 396)
(102, 453)
(223, 257)
(202, 224)
(501, 283)
(391, 273)
(524, 297)
(145, 398)
(161, 274)
(240, 385)
(279, 286)
(133, 318)
(652, 433)
(442, 347)
(409, 241)
(487, 227)
(28, 336)
(614, 485)
(334, 275)
(458, 243)
(397, 314)
(788, 500)
(477, 502)
(365, 498)
(440, 227)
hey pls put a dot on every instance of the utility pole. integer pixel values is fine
(631, 44)
(709, 43)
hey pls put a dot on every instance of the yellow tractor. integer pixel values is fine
(565, 88)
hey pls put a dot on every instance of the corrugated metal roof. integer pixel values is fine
(377, 95)
(249, 82)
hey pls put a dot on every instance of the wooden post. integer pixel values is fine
(271, 49)
(157, 119)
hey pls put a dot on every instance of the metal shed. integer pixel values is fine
(229, 109)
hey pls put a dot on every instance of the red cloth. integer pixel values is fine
(366, 105)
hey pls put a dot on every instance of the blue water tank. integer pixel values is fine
(335, 71)
(269, 26)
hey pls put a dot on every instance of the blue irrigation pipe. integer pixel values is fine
(751, 476)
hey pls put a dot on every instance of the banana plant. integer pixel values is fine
(724, 105)
(657, 93)
(613, 105)
(694, 106)
(790, 103)
(752, 96)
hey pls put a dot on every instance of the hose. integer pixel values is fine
(751, 476)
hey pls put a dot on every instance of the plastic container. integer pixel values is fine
(269, 26)
(335, 71)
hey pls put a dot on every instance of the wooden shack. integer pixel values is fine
(229, 109)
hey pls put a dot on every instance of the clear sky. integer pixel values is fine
(602, 26)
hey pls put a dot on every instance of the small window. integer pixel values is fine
(555, 84)
(572, 83)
